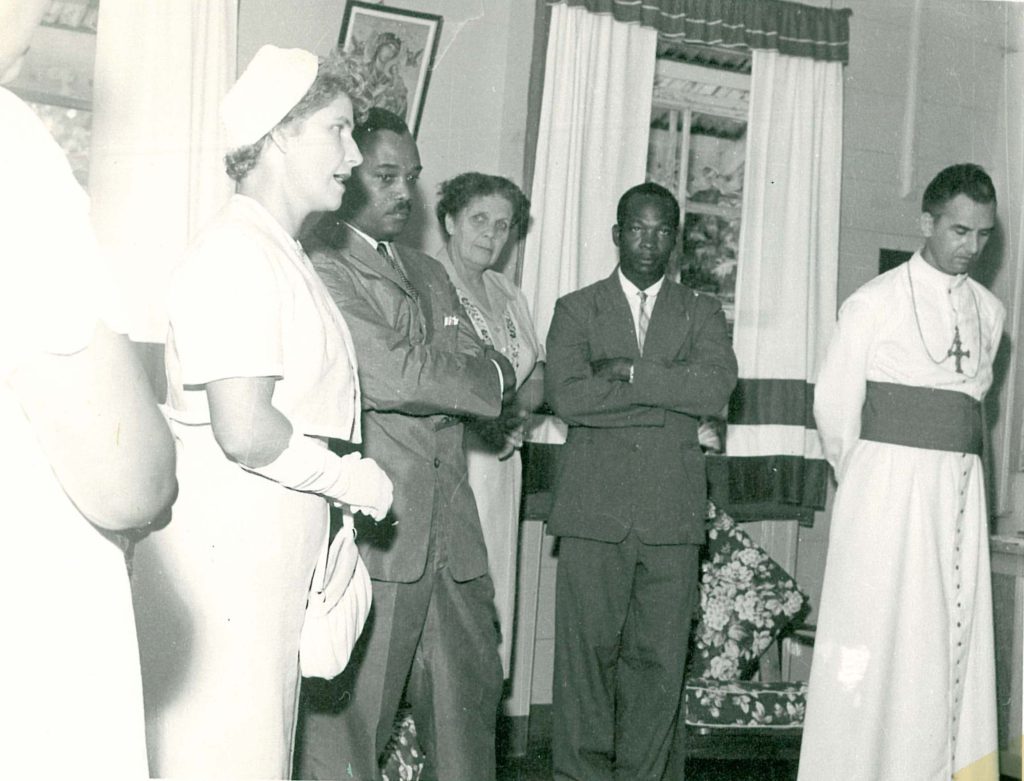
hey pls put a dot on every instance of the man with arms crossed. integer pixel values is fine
(633, 362)
(422, 370)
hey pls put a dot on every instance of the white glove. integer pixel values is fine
(309, 466)
(363, 486)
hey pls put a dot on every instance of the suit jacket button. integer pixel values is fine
(437, 463)
(636, 447)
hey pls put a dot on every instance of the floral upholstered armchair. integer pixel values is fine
(747, 603)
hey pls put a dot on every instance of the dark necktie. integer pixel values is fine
(385, 253)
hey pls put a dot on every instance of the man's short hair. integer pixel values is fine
(378, 119)
(649, 189)
(961, 179)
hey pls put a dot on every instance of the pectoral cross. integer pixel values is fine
(956, 350)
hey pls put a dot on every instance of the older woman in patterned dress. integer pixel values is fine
(479, 212)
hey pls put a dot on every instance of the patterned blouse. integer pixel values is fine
(508, 328)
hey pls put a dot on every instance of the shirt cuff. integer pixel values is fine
(632, 369)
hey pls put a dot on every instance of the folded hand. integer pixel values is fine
(612, 368)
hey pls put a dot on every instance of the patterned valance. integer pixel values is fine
(788, 28)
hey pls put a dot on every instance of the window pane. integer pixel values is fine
(717, 154)
(708, 261)
(71, 127)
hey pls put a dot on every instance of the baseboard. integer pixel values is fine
(1010, 764)
(517, 734)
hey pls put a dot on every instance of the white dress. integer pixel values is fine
(497, 485)
(72, 693)
(220, 592)
(902, 682)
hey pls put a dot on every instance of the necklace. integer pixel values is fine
(955, 350)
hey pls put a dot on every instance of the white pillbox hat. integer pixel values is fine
(270, 86)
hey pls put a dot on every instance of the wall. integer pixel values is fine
(474, 118)
(968, 109)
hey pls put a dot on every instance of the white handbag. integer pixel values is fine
(339, 602)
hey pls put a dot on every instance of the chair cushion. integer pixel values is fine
(746, 601)
(777, 706)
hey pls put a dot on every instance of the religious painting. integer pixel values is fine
(398, 47)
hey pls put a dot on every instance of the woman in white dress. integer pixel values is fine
(478, 213)
(85, 454)
(261, 372)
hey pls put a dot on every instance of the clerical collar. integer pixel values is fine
(924, 270)
(631, 290)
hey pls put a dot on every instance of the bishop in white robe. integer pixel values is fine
(903, 683)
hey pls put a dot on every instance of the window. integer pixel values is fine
(697, 149)
(56, 77)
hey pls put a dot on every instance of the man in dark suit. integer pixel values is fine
(422, 371)
(633, 362)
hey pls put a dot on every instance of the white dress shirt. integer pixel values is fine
(633, 298)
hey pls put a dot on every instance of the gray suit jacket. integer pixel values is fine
(422, 370)
(632, 460)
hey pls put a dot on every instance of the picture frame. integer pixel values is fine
(398, 47)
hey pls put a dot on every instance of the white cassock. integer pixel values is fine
(903, 677)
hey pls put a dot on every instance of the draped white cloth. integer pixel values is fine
(789, 241)
(592, 147)
(156, 172)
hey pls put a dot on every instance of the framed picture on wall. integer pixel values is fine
(398, 47)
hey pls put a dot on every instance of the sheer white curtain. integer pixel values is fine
(786, 282)
(156, 170)
(592, 146)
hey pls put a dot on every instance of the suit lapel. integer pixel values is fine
(669, 327)
(616, 319)
(420, 285)
(360, 254)
(337, 234)
(670, 322)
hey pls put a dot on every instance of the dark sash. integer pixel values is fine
(927, 418)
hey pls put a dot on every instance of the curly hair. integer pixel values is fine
(962, 179)
(337, 74)
(458, 192)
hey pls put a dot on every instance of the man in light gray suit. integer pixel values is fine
(423, 371)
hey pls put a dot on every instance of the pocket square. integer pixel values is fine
(451, 320)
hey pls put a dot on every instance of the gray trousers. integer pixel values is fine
(622, 625)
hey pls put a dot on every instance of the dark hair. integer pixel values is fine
(651, 189)
(964, 178)
(375, 120)
(458, 192)
(337, 74)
